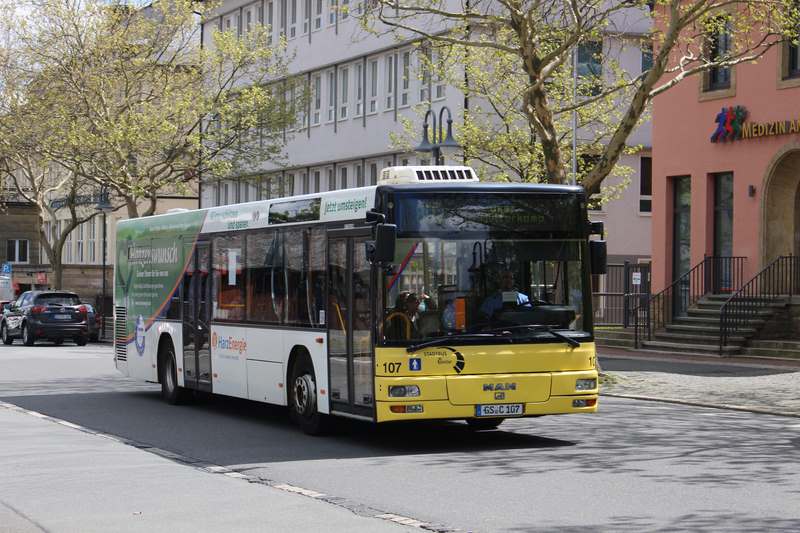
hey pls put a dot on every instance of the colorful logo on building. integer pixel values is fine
(730, 122)
(139, 335)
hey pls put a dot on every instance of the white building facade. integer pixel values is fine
(361, 86)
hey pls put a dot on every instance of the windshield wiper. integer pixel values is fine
(445, 339)
(541, 327)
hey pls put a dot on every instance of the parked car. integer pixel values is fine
(51, 315)
(3, 304)
(94, 321)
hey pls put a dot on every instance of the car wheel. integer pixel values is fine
(170, 391)
(94, 337)
(28, 338)
(58, 342)
(7, 339)
(303, 399)
(81, 340)
(484, 424)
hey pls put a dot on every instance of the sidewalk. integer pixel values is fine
(749, 384)
(60, 479)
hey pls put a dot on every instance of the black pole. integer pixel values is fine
(103, 315)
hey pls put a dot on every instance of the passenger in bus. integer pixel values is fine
(401, 324)
(505, 296)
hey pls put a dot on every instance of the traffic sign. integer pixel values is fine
(6, 269)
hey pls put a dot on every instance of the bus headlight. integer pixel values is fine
(403, 391)
(585, 384)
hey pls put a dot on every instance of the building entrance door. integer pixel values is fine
(681, 241)
(723, 232)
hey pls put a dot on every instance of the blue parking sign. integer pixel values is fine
(6, 268)
(415, 364)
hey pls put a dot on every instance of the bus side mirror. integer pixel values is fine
(598, 256)
(381, 250)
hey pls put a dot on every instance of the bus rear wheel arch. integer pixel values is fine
(168, 373)
(302, 394)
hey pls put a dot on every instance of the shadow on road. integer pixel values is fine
(231, 431)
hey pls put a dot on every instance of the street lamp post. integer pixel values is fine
(105, 207)
(439, 142)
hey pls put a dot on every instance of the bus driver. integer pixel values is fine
(506, 294)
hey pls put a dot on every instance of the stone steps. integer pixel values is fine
(689, 338)
(681, 347)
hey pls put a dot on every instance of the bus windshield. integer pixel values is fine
(445, 286)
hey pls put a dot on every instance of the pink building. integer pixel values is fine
(726, 167)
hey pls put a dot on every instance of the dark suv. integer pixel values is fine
(52, 315)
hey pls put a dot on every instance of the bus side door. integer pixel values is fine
(349, 319)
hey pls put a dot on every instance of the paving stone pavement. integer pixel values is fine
(775, 391)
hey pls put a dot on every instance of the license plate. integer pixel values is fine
(62, 317)
(503, 409)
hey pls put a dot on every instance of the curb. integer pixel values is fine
(701, 404)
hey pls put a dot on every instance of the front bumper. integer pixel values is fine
(438, 398)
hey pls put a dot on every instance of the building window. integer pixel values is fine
(225, 193)
(389, 82)
(359, 176)
(17, 250)
(359, 89)
(292, 18)
(270, 21)
(331, 180)
(343, 177)
(260, 14)
(345, 9)
(373, 86)
(317, 98)
(344, 81)
(425, 78)
(647, 56)
(316, 181)
(66, 256)
(590, 67)
(645, 184)
(438, 76)
(332, 11)
(331, 95)
(318, 14)
(248, 18)
(792, 53)
(373, 174)
(79, 244)
(306, 16)
(91, 243)
(719, 47)
(406, 82)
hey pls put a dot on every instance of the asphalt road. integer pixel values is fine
(634, 466)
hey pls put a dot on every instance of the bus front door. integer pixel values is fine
(349, 319)
(197, 318)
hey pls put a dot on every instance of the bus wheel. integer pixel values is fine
(303, 398)
(170, 391)
(484, 424)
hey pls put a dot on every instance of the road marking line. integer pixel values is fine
(299, 490)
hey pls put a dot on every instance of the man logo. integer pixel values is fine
(488, 387)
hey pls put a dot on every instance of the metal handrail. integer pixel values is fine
(712, 274)
(779, 278)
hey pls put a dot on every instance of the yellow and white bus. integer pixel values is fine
(427, 296)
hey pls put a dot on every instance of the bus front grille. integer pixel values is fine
(120, 344)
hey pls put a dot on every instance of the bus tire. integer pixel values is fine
(168, 376)
(484, 424)
(303, 398)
